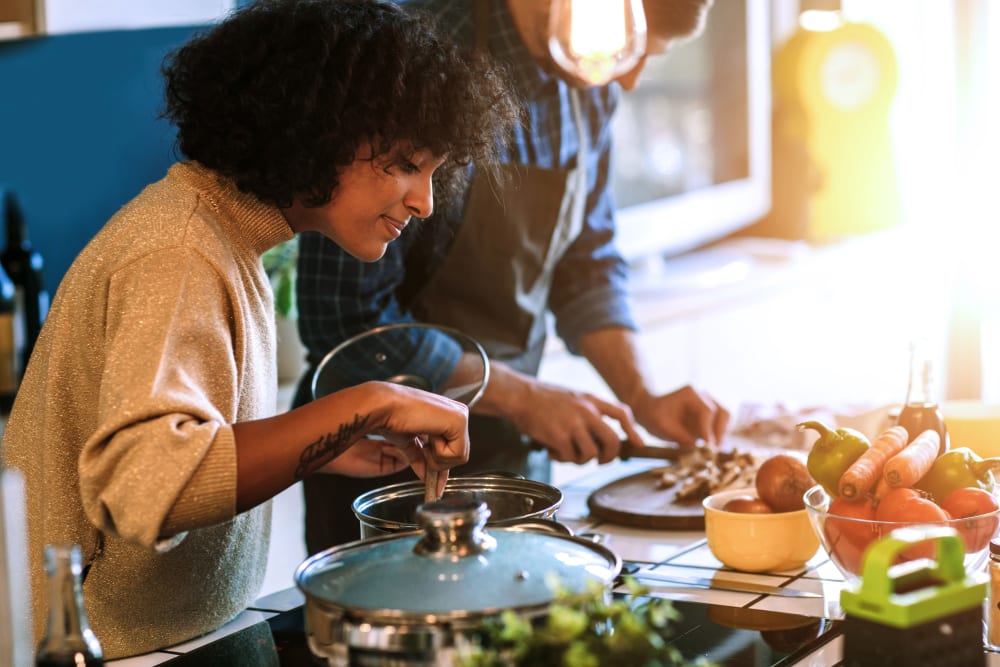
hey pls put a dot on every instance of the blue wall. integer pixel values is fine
(79, 133)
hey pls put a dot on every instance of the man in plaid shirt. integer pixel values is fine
(538, 247)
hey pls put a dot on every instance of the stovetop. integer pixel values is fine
(728, 636)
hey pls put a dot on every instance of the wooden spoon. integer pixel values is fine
(430, 485)
(430, 476)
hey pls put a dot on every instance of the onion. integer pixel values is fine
(747, 505)
(781, 482)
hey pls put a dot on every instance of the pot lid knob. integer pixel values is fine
(453, 527)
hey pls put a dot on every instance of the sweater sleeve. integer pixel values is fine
(162, 458)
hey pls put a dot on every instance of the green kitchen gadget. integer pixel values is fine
(919, 612)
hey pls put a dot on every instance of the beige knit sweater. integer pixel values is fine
(160, 337)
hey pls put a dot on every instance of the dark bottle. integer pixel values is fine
(11, 343)
(68, 639)
(920, 411)
(23, 265)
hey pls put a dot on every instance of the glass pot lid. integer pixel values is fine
(401, 353)
(453, 566)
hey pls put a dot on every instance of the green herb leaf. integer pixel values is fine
(280, 265)
(583, 629)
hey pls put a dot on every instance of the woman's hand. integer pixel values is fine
(377, 457)
(416, 420)
(334, 433)
(395, 446)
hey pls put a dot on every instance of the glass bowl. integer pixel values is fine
(846, 538)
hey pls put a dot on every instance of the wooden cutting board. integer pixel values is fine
(638, 501)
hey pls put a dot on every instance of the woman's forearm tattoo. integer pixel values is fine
(331, 443)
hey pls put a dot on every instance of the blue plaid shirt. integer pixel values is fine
(339, 296)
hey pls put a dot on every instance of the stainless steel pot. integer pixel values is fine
(413, 598)
(393, 509)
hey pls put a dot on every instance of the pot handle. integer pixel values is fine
(537, 525)
(593, 536)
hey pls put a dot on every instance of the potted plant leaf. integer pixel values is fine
(583, 629)
(280, 265)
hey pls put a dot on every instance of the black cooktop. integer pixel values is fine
(729, 636)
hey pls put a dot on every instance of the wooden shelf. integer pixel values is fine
(18, 18)
(24, 18)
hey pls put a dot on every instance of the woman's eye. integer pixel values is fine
(403, 165)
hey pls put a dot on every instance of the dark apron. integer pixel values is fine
(493, 285)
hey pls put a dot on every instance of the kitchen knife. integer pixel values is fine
(722, 585)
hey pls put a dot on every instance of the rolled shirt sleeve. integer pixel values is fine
(590, 285)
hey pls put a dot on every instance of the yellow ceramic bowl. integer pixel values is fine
(973, 424)
(757, 542)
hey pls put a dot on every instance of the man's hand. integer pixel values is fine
(686, 416)
(572, 425)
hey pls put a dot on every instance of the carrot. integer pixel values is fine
(862, 475)
(908, 466)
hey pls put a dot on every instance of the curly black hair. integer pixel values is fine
(280, 94)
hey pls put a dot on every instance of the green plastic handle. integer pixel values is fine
(949, 556)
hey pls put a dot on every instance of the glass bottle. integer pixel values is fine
(920, 411)
(992, 638)
(11, 343)
(68, 639)
(23, 264)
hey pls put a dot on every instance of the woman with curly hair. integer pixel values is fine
(145, 426)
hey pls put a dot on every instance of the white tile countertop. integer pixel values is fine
(687, 554)
(667, 552)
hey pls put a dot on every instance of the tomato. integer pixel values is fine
(907, 507)
(971, 503)
(893, 505)
(847, 538)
